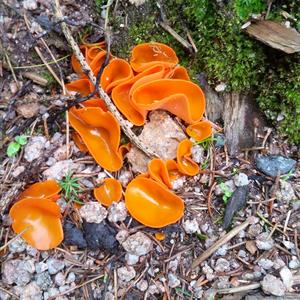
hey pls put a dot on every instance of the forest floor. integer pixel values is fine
(255, 194)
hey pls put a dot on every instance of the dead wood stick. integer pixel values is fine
(239, 289)
(226, 238)
(125, 125)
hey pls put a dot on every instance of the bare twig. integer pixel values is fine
(239, 289)
(125, 125)
(226, 238)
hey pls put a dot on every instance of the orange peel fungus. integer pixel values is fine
(200, 131)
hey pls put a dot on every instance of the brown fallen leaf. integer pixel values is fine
(251, 247)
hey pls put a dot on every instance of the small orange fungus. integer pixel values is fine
(151, 204)
(200, 131)
(185, 164)
(158, 171)
(110, 191)
(160, 236)
(100, 132)
(41, 190)
(149, 54)
(39, 220)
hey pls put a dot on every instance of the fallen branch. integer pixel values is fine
(226, 238)
(125, 125)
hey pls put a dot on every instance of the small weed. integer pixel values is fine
(46, 75)
(183, 292)
(287, 176)
(227, 193)
(15, 146)
(204, 165)
(70, 188)
(206, 143)
(201, 236)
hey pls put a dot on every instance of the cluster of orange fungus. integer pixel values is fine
(184, 161)
(152, 204)
(200, 131)
(110, 191)
(37, 217)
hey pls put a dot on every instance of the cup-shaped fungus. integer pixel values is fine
(100, 132)
(185, 164)
(110, 191)
(39, 222)
(180, 97)
(48, 189)
(116, 72)
(151, 204)
(82, 86)
(200, 131)
(173, 169)
(146, 55)
(158, 171)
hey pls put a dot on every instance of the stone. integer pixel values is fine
(59, 279)
(230, 187)
(167, 135)
(125, 177)
(142, 285)
(220, 87)
(287, 278)
(263, 242)
(278, 263)
(222, 265)
(131, 259)
(117, 212)
(126, 274)
(31, 292)
(52, 292)
(137, 2)
(41, 267)
(254, 230)
(273, 165)
(294, 263)
(191, 226)
(93, 212)
(13, 272)
(266, 264)
(222, 250)
(173, 281)
(34, 148)
(4, 296)
(55, 265)
(43, 280)
(285, 192)
(61, 168)
(71, 278)
(198, 154)
(273, 285)
(18, 171)
(28, 110)
(240, 179)
(122, 235)
(61, 153)
(138, 244)
(73, 236)
(18, 245)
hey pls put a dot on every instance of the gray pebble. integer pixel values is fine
(55, 265)
(43, 280)
(17, 246)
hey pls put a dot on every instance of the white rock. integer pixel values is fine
(61, 168)
(178, 183)
(156, 288)
(222, 250)
(240, 179)
(34, 148)
(266, 264)
(190, 226)
(125, 177)
(278, 263)
(52, 292)
(17, 171)
(294, 263)
(142, 285)
(286, 192)
(287, 278)
(71, 278)
(126, 274)
(17, 246)
(263, 242)
(242, 253)
(59, 279)
(122, 236)
(137, 2)
(13, 272)
(41, 267)
(117, 212)
(93, 212)
(138, 244)
(197, 154)
(31, 292)
(61, 153)
(272, 285)
(222, 265)
(173, 281)
(198, 293)
(131, 259)
(289, 245)
(209, 272)
(173, 265)
(43, 280)
(220, 87)
(55, 265)
(30, 4)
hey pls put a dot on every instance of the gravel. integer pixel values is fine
(191, 226)
(294, 263)
(142, 285)
(31, 292)
(117, 212)
(287, 278)
(55, 265)
(173, 281)
(126, 274)
(93, 212)
(43, 280)
(241, 179)
(286, 192)
(222, 265)
(272, 285)
(263, 242)
(41, 267)
(16, 271)
(34, 148)
(138, 244)
(131, 259)
(266, 264)
(17, 246)
(61, 168)
(59, 279)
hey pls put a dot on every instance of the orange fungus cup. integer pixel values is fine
(39, 222)
(100, 132)
(200, 131)
(110, 191)
(158, 171)
(41, 190)
(185, 164)
(151, 204)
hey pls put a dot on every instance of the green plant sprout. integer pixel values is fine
(206, 143)
(70, 188)
(182, 292)
(287, 176)
(227, 193)
(15, 146)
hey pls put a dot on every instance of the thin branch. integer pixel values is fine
(125, 125)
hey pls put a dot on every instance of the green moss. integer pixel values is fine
(48, 76)
(225, 53)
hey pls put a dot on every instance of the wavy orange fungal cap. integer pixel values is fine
(200, 131)
(41, 190)
(116, 72)
(75, 63)
(110, 191)
(95, 102)
(42, 218)
(173, 169)
(97, 62)
(124, 149)
(180, 97)
(79, 142)
(158, 171)
(151, 204)
(100, 132)
(146, 55)
(82, 86)
(178, 72)
(185, 164)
